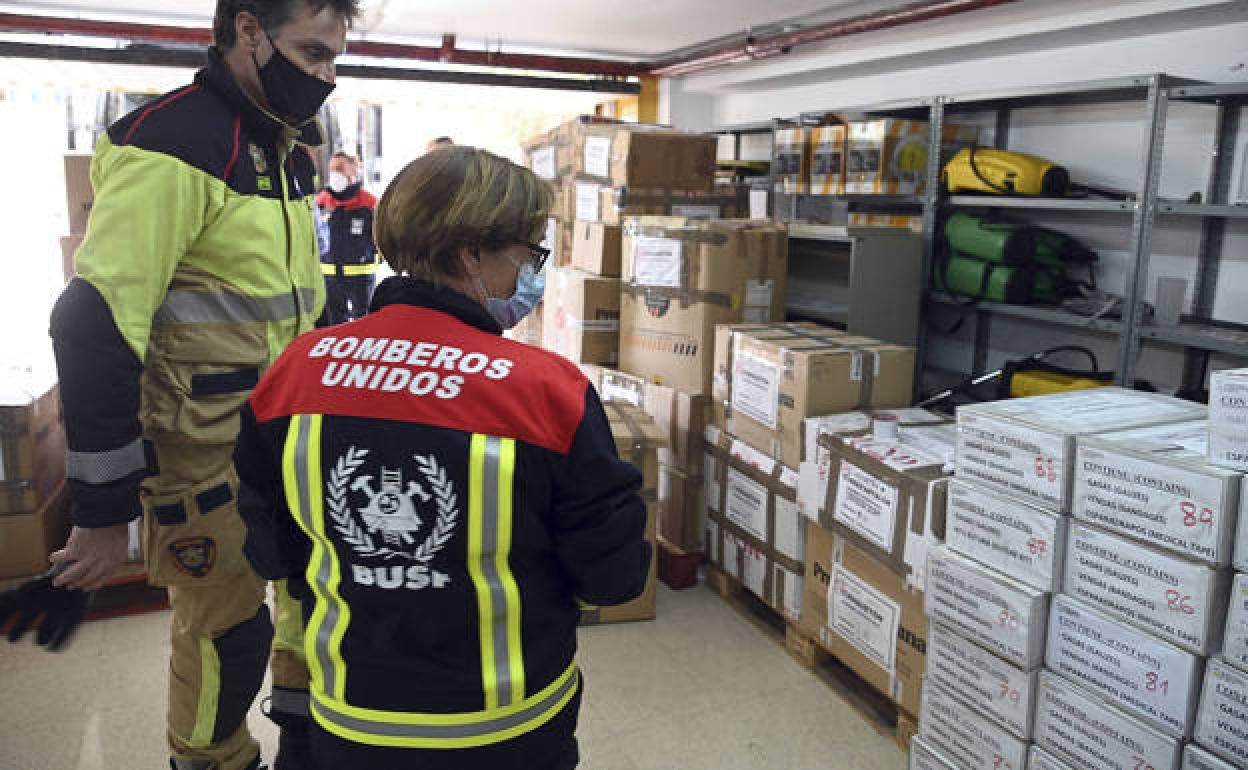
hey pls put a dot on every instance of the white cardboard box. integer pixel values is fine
(1156, 485)
(1179, 600)
(1241, 537)
(998, 688)
(924, 757)
(969, 739)
(1235, 642)
(1228, 418)
(1145, 676)
(1026, 446)
(1196, 758)
(1007, 617)
(1011, 536)
(1039, 759)
(1091, 734)
(1222, 726)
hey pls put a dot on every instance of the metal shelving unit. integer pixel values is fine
(1200, 333)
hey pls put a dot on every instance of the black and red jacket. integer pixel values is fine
(350, 225)
(437, 493)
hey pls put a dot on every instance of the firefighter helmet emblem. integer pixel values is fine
(388, 522)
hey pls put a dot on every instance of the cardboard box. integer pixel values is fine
(926, 757)
(866, 615)
(638, 440)
(966, 735)
(1196, 758)
(1241, 537)
(529, 330)
(1228, 418)
(1025, 447)
(682, 508)
(582, 316)
(1155, 681)
(779, 381)
(889, 500)
(69, 249)
(1039, 759)
(790, 167)
(635, 155)
(596, 249)
(1156, 485)
(26, 539)
(1181, 601)
(1005, 616)
(1093, 734)
(779, 586)
(889, 156)
(899, 221)
(827, 173)
(725, 346)
(1235, 642)
(552, 154)
(79, 194)
(980, 679)
(32, 442)
(684, 276)
(1008, 535)
(1222, 726)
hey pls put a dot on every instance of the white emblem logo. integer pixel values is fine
(388, 524)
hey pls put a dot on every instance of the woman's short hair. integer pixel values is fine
(457, 197)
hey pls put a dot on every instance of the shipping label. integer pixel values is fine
(543, 162)
(658, 262)
(866, 505)
(1156, 681)
(1039, 759)
(982, 680)
(598, 156)
(967, 737)
(756, 389)
(1174, 598)
(587, 202)
(864, 617)
(745, 504)
(758, 296)
(924, 757)
(1177, 508)
(1222, 726)
(1196, 758)
(1008, 618)
(1090, 734)
(1018, 540)
(1235, 645)
(1013, 459)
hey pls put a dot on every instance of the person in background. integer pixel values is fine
(198, 267)
(350, 263)
(445, 497)
(441, 141)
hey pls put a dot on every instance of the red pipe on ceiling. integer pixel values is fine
(776, 45)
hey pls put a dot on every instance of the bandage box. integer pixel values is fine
(1181, 601)
(1039, 759)
(827, 150)
(79, 194)
(1007, 534)
(582, 316)
(1156, 485)
(866, 615)
(32, 440)
(1090, 733)
(1196, 758)
(926, 757)
(1005, 616)
(790, 167)
(993, 686)
(1155, 681)
(1222, 724)
(1026, 447)
(596, 248)
(966, 735)
(26, 539)
(741, 558)
(682, 277)
(1228, 418)
(889, 156)
(1235, 643)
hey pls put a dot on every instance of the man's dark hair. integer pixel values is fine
(272, 15)
(443, 141)
(340, 155)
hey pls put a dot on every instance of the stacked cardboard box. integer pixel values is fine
(79, 197)
(581, 316)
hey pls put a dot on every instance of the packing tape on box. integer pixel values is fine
(686, 297)
(593, 326)
(765, 491)
(638, 454)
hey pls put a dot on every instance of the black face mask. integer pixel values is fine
(292, 93)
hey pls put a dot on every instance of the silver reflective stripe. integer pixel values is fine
(482, 729)
(489, 568)
(324, 571)
(284, 701)
(104, 467)
(198, 307)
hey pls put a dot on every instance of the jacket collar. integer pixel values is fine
(348, 198)
(401, 290)
(264, 125)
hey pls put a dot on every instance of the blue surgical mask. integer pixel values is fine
(530, 286)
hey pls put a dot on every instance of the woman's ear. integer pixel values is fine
(470, 257)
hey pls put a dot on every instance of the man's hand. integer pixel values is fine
(96, 553)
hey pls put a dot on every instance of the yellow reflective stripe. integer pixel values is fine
(515, 652)
(331, 269)
(209, 695)
(476, 535)
(301, 464)
(447, 731)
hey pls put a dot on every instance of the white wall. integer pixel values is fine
(1035, 42)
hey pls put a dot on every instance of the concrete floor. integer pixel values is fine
(701, 687)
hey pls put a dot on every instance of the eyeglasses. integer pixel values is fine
(537, 254)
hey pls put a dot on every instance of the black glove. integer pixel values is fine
(56, 612)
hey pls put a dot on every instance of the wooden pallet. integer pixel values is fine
(876, 708)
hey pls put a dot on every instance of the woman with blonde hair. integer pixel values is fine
(442, 499)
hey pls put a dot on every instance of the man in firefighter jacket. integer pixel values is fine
(350, 262)
(199, 266)
(444, 496)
